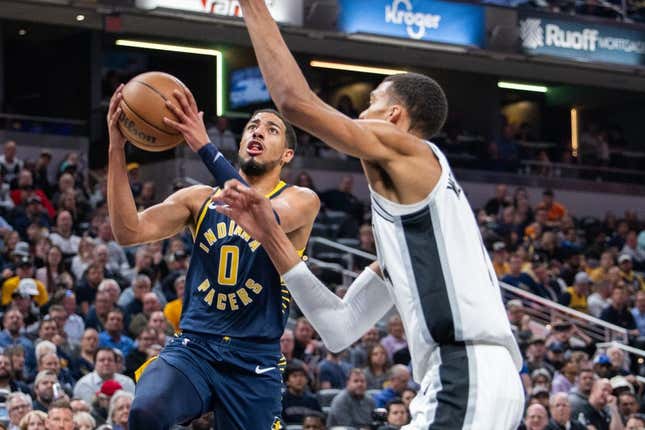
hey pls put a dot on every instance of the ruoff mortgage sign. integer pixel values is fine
(580, 40)
(284, 11)
(430, 20)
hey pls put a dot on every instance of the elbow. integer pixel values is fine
(291, 101)
(124, 239)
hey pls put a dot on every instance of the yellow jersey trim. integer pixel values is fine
(276, 189)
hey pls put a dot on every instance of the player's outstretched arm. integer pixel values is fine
(339, 322)
(298, 103)
(190, 123)
(129, 226)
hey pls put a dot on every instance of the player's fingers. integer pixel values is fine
(174, 124)
(114, 119)
(183, 101)
(224, 210)
(191, 100)
(174, 109)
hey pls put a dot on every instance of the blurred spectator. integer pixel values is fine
(617, 313)
(84, 356)
(536, 417)
(535, 357)
(358, 352)
(517, 278)
(555, 211)
(63, 237)
(88, 285)
(148, 196)
(314, 422)
(117, 258)
(501, 200)
(83, 258)
(306, 348)
(541, 377)
(54, 267)
(399, 378)
(627, 405)
(351, 407)
(499, 259)
(632, 249)
(600, 299)
(44, 389)
(18, 405)
(576, 296)
(342, 199)
(13, 324)
(84, 421)
(507, 147)
(366, 244)
(112, 336)
(397, 415)
(105, 369)
(139, 321)
(564, 378)
(6, 202)
(376, 372)
(221, 136)
(635, 422)
(634, 281)
(33, 420)
(137, 356)
(545, 285)
(601, 410)
(296, 401)
(332, 373)
(10, 165)
(119, 411)
(133, 178)
(579, 394)
(638, 312)
(25, 190)
(561, 414)
(172, 310)
(98, 313)
(304, 179)
(522, 325)
(395, 340)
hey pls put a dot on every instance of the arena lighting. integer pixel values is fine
(361, 37)
(22, 32)
(355, 68)
(522, 87)
(80, 17)
(187, 50)
(574, 132)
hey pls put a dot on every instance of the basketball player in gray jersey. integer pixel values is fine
(436, 270)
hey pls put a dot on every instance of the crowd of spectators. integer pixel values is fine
(81, 313)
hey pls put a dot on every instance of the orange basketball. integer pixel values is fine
(143, 107)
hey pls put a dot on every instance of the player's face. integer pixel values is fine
(263, 144)
(380, 103)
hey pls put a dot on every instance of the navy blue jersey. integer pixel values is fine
(232, 287)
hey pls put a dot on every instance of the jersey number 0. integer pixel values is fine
(229, 257)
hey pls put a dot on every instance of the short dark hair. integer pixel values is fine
(104, 348)
(289, 131)
(424, 100)
(394, 401)
(315, 415)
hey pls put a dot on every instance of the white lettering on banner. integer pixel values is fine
(287, 11)
(584, 40)
(534, 35)
(416, 23)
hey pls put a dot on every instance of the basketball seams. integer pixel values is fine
(146, 121)
(147, 85)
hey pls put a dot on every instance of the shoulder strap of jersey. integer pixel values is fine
(203, 210)
(277, 190)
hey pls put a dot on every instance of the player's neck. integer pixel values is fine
(263, 183)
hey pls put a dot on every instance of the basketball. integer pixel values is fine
(143, 107)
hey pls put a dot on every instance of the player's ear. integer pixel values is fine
(394, 113)
(288, 155)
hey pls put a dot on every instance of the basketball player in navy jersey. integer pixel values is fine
(436, 269)
(227, 357)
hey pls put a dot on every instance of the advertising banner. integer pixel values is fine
(429, 20)
(583, 41)
(283, 11)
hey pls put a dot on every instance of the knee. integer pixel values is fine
(145, 414)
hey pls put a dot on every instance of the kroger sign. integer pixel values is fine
(431, 20)
(582, 41)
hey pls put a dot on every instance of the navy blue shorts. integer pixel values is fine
(240, 381)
